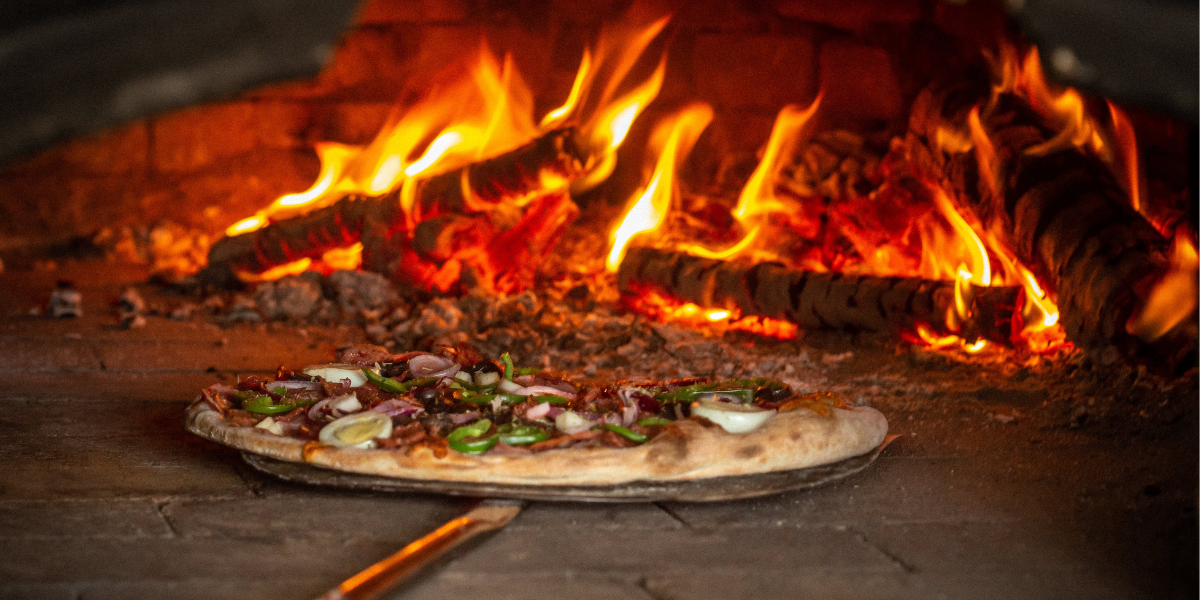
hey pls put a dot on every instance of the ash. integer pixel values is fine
(571, 322)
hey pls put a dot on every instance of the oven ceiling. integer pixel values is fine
(73, 66)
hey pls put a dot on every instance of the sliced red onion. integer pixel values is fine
(554, 411)
(314, 413)
(396, 408)
(534, 380)
(461, 418)
(543, 390)
(430, 365)
(295, 385)
(540, 410)
(629, 414)
(611, 419)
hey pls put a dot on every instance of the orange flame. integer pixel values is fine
(673, 139)
(1128, 152)
(477, 111)
(1173, 299)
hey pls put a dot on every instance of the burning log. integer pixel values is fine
(821, 300)
(516, 177)
(1059, 207)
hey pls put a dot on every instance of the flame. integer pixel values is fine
(476, 110)
(758, 195)
(1128, 151)
(673, 138)
(1173, 298)
(292, 268)
(650, 301)
(343, 259)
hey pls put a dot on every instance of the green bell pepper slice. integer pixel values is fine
(487, 398)
(632, 435)
(265, 405)
(654, 422)
(523, 435)
(386, 384)
(549, 398)
(508, 366)
(466, 439)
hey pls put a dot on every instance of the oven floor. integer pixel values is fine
(994, 489)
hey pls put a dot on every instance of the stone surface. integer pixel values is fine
(853, 14)
(105, 496)
(859, 83)
(766, 72)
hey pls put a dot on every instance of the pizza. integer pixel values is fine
(454, 415)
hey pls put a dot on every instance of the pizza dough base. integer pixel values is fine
(685, 450)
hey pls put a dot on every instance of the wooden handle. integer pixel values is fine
(377, 578)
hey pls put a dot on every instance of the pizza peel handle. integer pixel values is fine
(489, 515)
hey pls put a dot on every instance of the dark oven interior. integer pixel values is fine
(902, 202)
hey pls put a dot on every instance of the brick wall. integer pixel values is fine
(208, 166)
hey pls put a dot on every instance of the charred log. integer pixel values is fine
(1062, 212)
(515, 177)
(889, 305)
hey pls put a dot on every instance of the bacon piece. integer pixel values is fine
(217, 397)
(564, 441)
(614, 440)
(241, 418)
(503, 449)
(365, 355)
(404, 436)
(467, 354)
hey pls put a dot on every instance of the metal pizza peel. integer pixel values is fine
(501, 503)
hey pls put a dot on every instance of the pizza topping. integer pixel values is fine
(626, 433)
(481, 405)
(346, 403)
(432, 365)
(734, 418)
(365, 355)
(267, 405)
(358, 430)
(397, 408)
(570, 422)
(338, 372)
(476, 438)
(523, 435)
(271, 425)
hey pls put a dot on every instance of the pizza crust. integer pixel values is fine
(686, 450)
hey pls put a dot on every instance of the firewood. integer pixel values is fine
(888, 305)
(515, 177)
(1064, 215)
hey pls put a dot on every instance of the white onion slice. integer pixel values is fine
(431, 365)
(569, 422)
(335, 372)
(271, 425)
(346, 403)
(487, 378)
(734, 418)
(508, 387)
(358, 430)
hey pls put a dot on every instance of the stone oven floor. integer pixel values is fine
(1061, 482)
